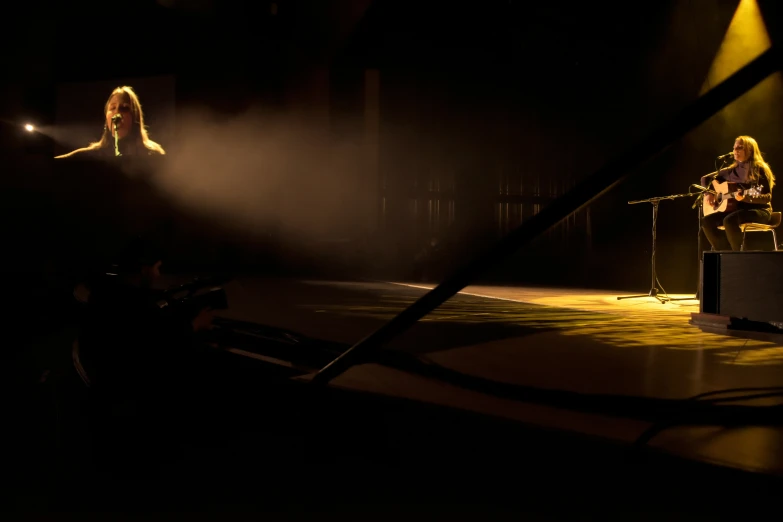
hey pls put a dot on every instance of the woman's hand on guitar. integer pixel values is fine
(739, 195)
(709, 197)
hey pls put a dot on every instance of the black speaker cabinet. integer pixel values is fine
(746, 285)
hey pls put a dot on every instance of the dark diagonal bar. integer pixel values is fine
(582, 194)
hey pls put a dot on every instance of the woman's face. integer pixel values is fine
(119, 104)
(740, 154)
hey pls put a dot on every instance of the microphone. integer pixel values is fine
(703, 190)
(721, 158)
(115, 120)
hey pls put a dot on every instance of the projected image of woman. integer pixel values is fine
(123, 106)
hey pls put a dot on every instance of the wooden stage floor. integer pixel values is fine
(559, 339)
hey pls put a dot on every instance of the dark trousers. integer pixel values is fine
(731, 238)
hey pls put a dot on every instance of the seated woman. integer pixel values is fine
(132, 134)
(752, 202)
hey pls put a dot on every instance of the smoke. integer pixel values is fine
(69, 137)
(259, 170)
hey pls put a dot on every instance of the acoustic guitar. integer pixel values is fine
(725, 197)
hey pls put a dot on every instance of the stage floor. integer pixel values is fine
(564, 339)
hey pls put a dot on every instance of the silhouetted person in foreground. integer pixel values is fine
(145, 363)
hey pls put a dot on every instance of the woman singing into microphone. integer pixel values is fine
(753, 200)
(122, 109)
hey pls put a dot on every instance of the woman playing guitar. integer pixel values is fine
(743, 195)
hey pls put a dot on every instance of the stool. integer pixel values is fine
(774, 223)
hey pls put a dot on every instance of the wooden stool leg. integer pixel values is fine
(775, 239)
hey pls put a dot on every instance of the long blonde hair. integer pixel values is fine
(138, 131)
(756, 160)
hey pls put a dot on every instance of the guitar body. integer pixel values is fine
(724, 198)
(725, 187)
(727, 205)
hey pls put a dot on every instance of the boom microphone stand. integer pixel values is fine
(699, 215)
(698, 203)
(654, 292)
(705, 180)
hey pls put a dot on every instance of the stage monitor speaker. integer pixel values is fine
(746, 285)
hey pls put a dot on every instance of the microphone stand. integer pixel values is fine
(700, 214)
(116, 139)
(654, 292)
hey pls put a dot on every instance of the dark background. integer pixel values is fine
(485, 112)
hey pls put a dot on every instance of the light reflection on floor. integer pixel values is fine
(633, 322)
(583, 340)
(564, 339)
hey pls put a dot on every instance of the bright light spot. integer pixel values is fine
(745, 39)
(29, 128)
